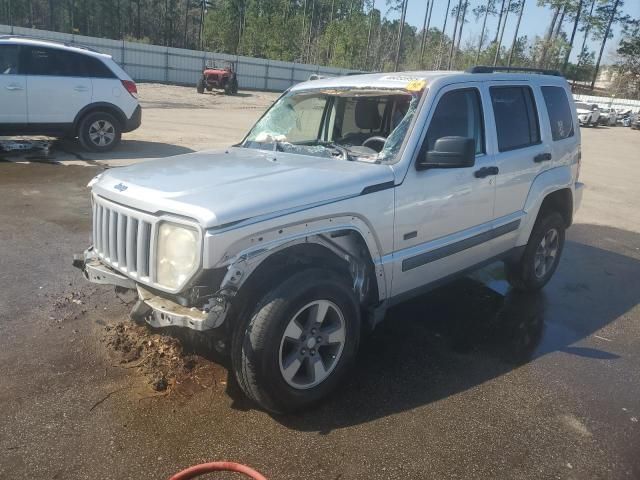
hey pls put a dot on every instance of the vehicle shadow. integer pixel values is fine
(464, 334)
(128, 149)
(48, 150)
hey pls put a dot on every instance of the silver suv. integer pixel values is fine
(348, 196)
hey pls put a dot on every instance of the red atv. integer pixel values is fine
(223, 78)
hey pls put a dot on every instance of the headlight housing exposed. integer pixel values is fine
(177, 254)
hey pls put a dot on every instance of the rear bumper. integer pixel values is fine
(135, 121)
(156, 310)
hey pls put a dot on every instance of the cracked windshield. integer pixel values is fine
(342, 124)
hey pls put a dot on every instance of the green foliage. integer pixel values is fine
(356, 34)
(627, 77)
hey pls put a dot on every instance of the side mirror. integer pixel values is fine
(449, 152)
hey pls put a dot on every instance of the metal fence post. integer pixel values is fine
(266, 76)
(122, 54)
(293, 73)
(166, 64)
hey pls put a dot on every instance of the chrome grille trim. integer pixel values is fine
(124, 239)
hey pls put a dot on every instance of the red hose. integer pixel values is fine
(197, 470)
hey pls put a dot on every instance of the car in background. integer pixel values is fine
(608, 116)
(588, 115)
(635, 121)
(221, 77)
(57, 89)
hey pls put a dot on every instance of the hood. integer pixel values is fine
(220, 187)
(582, 111)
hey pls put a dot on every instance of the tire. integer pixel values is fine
(535, 268)
(99, 132)
(231, 87)
(275, 352)
(200, 86)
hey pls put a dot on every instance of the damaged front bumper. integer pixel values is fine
(156, 310)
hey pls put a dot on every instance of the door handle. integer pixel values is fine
(80, 89)
(485, 172)
(14, 87)
(542, 157)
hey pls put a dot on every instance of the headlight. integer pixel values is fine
(177, 254)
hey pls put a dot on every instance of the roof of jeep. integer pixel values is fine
(38, 42)
(402, 80)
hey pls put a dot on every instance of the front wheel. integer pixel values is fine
(99, 132)
(541, 255)
(200, 86)
(299, 342)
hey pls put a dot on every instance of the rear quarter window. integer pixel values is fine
(95, 68)
(560, 118)
(516, 117)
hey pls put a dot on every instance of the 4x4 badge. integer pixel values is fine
(121, 187)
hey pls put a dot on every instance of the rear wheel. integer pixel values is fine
(231, 87)
(541, 256)
(299, 342)
(99, 132)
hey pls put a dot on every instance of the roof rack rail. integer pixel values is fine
(487, 69)
(43, 39)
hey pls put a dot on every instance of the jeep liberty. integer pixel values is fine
(349, 195)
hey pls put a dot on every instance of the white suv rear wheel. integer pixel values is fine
(99, 132)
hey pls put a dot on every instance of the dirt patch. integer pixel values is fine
(67, 306)
(156, 95)
(162, 360)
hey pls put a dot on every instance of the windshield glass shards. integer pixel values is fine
(349, 124)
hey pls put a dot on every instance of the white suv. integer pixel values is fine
(49, 88)
(348, 196)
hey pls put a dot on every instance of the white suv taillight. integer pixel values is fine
(130, 87)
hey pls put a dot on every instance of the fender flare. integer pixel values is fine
(248, 253)
(100, 106)
(547, 182)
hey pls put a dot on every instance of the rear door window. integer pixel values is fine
(555, 98)
(516, 117)
(8, 59)
(61, 63)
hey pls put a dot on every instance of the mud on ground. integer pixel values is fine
(161, 359)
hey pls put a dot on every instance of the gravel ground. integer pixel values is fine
(462, 383)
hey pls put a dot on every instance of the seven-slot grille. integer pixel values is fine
(122, 238)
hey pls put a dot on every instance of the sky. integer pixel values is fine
(534, 21)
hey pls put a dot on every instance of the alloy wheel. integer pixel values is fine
(546, 253)
(102, 133)
(312, 344)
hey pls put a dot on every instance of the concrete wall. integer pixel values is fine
(154, 63)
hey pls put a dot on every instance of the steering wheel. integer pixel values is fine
(382, 140)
